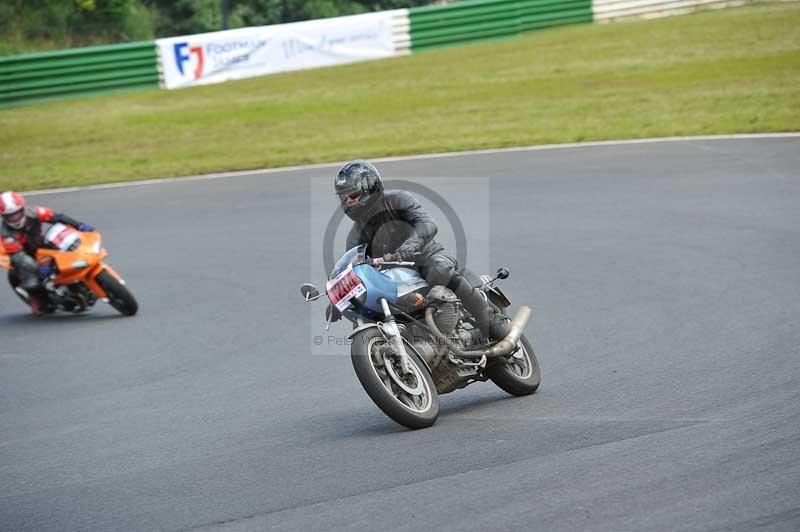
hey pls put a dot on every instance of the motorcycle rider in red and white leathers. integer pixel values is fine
(21, 235)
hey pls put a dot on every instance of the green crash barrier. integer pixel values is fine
(472, 20)
(78, 72)
(134, 66)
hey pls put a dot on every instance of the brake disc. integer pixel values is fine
(416, 390)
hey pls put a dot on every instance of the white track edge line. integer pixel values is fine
(423, 156)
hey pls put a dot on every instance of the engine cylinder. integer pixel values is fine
(445, 305)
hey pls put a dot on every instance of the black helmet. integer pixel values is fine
(360, 180)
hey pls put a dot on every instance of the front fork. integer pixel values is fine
(91, 282)
(390, 328)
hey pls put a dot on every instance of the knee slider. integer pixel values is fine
(23, 262)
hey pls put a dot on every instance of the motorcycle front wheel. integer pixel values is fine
(409, 398)
(118, 294)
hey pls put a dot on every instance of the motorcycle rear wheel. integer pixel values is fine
(118, 294)
(378, 370)
(519, 374)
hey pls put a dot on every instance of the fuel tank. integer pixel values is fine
(411, 288)
(398, 286)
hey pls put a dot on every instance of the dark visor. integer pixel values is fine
(352, 194)
(14, 217)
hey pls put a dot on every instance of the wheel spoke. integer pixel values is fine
(406, 400)
(521, 365)
(419, 401)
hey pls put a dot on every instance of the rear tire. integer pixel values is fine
(517, 374)
(377, 368)
(118, 294)
(509, 373)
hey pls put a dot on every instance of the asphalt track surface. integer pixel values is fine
(665, 282)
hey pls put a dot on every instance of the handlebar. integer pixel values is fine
(381, 262)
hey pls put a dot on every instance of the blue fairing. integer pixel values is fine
(384, 284)
(378, 286)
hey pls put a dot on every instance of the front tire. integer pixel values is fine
(415, 403)
(517, 374)
(118, 294)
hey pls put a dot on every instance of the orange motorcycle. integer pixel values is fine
(79, 276)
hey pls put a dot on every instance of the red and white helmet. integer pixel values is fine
(12, 208)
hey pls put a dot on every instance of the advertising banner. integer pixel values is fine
(255, 51)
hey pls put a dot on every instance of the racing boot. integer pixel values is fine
(491, 323)
(39, 302)
(37, 305)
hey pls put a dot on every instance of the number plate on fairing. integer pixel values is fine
(62, 237)
(344, 287)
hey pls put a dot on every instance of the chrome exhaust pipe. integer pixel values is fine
(507, 345)
(504, 347)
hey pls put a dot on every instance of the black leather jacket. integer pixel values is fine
(398, 224)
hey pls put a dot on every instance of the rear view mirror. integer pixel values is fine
(309, 291)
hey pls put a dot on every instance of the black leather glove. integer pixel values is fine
(406, 254)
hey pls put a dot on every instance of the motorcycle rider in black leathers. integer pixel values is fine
(21, 235)
(396, 227)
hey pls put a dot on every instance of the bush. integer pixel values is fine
(30, 25)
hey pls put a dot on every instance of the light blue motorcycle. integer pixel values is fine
(412, 342)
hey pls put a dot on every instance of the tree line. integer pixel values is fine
(28, 25)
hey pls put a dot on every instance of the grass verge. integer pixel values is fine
(729, 71)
